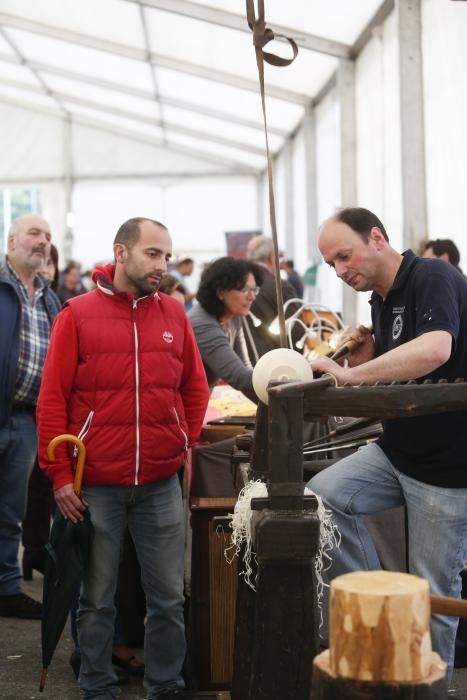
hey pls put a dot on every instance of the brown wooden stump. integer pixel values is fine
(327, 686)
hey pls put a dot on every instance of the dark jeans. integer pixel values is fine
(18, 447)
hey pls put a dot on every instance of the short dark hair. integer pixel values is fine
(290, 263)
(170, 284)
(361, 221)
(72, 265)
(224, 273)
(440, 246)
(54, 258)
(54, 254)
(128, 233)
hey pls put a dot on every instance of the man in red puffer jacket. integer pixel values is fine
(124, 374)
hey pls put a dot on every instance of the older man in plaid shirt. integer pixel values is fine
(27, 310)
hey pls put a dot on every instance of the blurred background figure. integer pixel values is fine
(443, 248)
(86, 279)
(49, 271)
(71, 285)
(294, 278)
(264, 308)
(41, 503)
(173, 287)
(183, 270)
(227, 290)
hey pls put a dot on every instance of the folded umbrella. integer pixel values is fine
(68, 551)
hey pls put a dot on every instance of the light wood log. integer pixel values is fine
(327, 686)
(380, 627)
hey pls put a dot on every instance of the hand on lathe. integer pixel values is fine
(362, 345)
(325, 365)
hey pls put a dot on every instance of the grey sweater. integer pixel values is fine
(224, 353)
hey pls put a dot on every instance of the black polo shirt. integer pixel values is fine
(427, 295)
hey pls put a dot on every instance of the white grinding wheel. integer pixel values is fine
(281, 364)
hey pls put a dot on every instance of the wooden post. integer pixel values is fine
(246, 597)
(286, 615)
(259, 463)
(283, 633)
(380, 645)
(276, 633)
(244, 638)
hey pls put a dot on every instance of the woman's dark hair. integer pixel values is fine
(54, 258)
(445, 245)
(361, 221)
(224, 273)
(72, 265)
(170, 284)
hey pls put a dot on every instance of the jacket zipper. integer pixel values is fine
(135, 304)
(85, 428)
(185, 436)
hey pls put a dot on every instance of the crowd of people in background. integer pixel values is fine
(224, 328)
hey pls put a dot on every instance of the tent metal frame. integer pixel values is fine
(341, 82)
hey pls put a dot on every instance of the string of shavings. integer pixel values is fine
(240, 522)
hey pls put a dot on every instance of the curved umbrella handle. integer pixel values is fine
(66, 437)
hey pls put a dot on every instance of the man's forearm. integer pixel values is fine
(412, 360)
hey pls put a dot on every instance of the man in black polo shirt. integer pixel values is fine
(419, 316)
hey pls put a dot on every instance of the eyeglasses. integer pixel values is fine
(249, 290)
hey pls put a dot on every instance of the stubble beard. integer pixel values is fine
(32, 261)
(142, 286)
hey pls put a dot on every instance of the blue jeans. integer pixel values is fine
(18, 446)
(154, 515)
(366, 482)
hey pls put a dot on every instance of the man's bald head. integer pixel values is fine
(23, 223)
(360, 220)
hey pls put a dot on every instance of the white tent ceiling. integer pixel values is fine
(111, 107)
(161, 86)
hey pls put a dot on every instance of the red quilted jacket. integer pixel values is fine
(125, 375)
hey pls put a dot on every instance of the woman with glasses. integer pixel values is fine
(227, 290)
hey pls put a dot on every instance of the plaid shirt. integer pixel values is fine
(33, 340)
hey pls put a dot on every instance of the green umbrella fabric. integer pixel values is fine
(68, 549)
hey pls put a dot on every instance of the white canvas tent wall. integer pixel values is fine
(126, 107)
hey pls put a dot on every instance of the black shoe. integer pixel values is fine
(123, 677)
(173, 694)
(75, 663)
(131, 665)
(20, 605)
(33, 559)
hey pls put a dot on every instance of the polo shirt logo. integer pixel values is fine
(397, 327)
(168, 337)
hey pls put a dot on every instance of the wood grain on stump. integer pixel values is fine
(380, 627)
